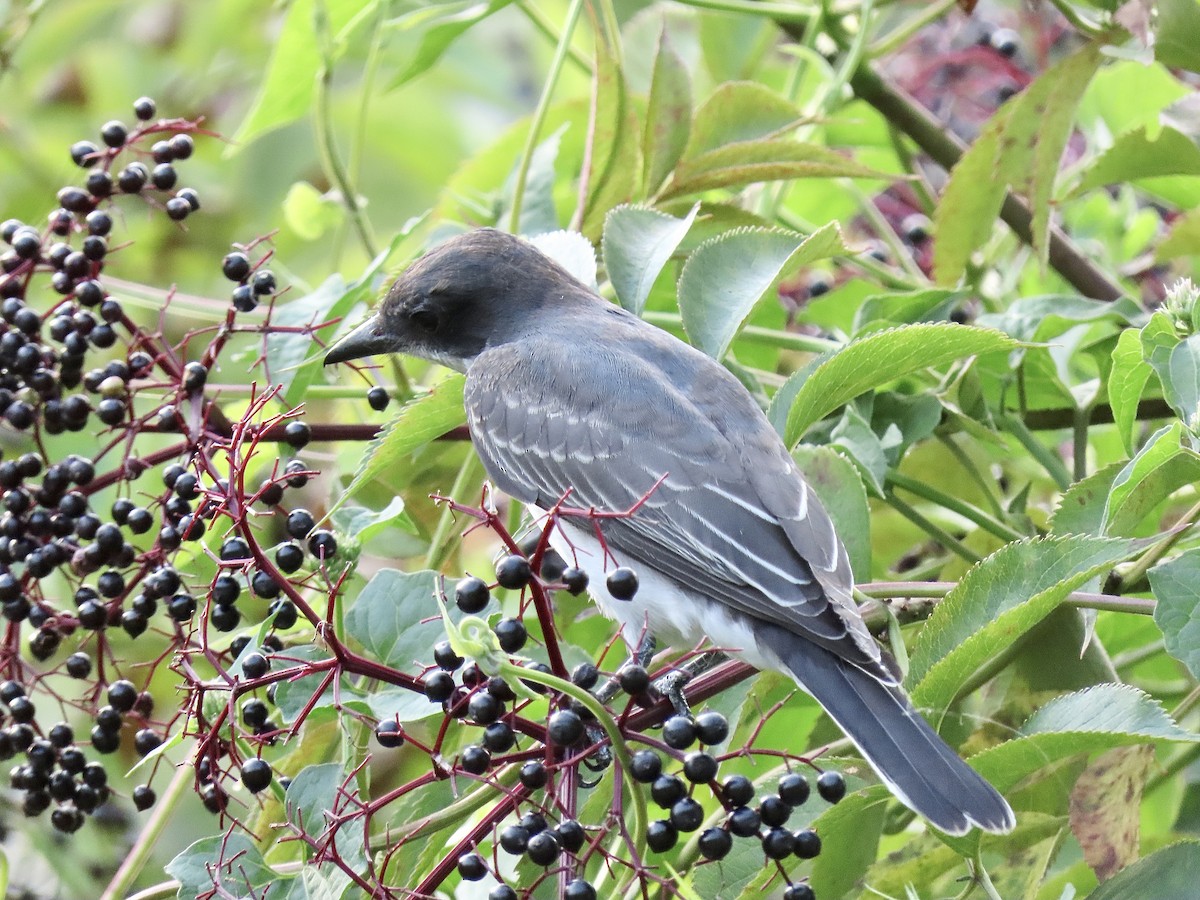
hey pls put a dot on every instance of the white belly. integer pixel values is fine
(672, 614)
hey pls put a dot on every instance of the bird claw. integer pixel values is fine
(599, 759)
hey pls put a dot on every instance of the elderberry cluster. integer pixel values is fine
(544, 834)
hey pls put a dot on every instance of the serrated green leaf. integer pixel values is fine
(419, 421)
(1126, 382)
(1164, 465)
(1094, 719)
(668, 114)
(768, 159)
(1107, 709)
(933, 305)
(1081, 508)
(1168, 874)
(1135, 155)
(231, 861)
(438, 33)
(836, 483)
(391, 617)
(1021, 146)
(726, 277)
(1177, 613)
(998, 600)
(879, 358)
(638, 242)
(739, 111)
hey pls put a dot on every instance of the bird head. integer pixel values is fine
(469, 293)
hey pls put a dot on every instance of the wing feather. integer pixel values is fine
(733, 520)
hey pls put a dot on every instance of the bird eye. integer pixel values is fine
(425, 319)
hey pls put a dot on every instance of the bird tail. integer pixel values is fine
(921, 769)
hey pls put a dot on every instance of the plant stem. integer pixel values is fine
(539, 114)
(964, 509)
(1049, 460)
(899, 35)
(968, 464)
(151, 832)
(1159, 549)
(327, 145)
(939, 534)
(780, 12)
(440, 544)
(932, 136)
(754, 334)
(543, 24)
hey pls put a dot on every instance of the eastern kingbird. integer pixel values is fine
(566, 391)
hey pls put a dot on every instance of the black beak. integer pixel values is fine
(368, 339)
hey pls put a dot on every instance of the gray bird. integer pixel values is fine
(565, 391)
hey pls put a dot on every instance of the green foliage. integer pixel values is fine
(1002, 420)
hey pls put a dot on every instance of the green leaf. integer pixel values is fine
(1176, 27)
(287, 90)
(1164, 465)
(1119, 709)
(395, 617)
(1021, 146)
(295, 359)
(638, 242)
(768, 159)
(293, 696)
(1181, 381)
(1081, 508)
(1135, 155)
(230, 861)
(1095, 719)
(850, 834)
(739, 111)
(362, 524)
(313, 797)
(1043, 318)
(887, 310)
(1168, 874)
(840, 490)
(613, 164)
(419, 421)
(998, 600)
(1126, 382)
(668, 115)
(438, 33)
(538, 212)
(854, 436)
(725, 278)
(309, 213)
(879, 358)
(1107, 831)
(1177, 613)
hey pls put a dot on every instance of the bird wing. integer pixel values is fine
(732, 519)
